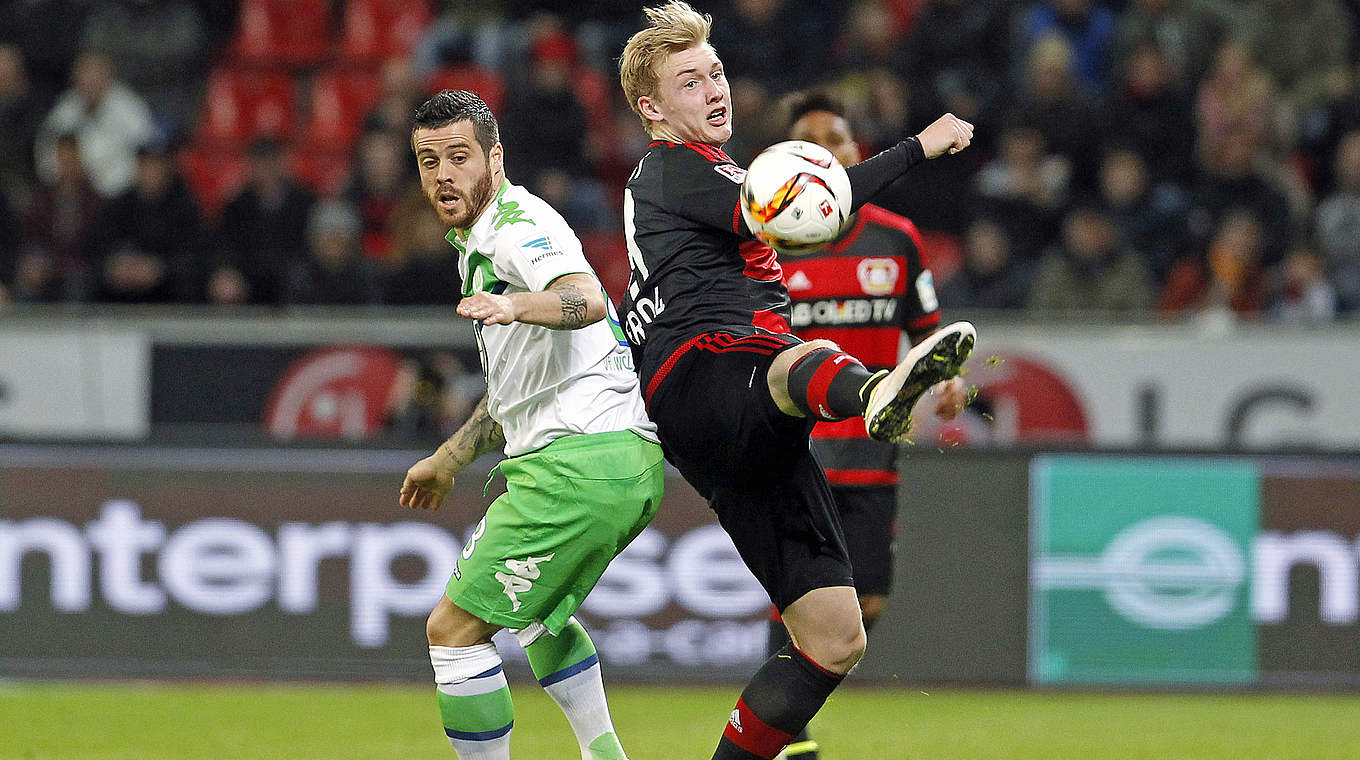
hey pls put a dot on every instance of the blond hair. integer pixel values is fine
(671, 28)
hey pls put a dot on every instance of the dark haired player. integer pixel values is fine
(865, 291)
(733, 393)
(584, 473)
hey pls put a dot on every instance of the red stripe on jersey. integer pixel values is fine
(771, 320)
(875, 346)
(761, 261)
(746, 730)
(860, 477)
(839, 276)
(923, 326)
(668, 365)
(736, 217)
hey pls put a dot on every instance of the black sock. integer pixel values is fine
(777, 703)
(831, 385)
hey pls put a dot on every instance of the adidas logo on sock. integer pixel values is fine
(735, 720)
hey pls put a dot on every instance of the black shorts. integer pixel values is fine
(754, 464)
(869, 519)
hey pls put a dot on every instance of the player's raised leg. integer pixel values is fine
(817, 379)
(474, 699)
(568, 668)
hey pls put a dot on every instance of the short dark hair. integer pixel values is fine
(817, 100)
(450, 106)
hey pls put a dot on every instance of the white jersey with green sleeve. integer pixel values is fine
(543, 384)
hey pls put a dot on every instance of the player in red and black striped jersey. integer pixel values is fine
(733, 393)
(865, 291)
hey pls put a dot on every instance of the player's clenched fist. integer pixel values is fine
(426, 484)
(490, 308)
(948, 133)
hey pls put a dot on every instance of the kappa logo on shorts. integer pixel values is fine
(523, 572)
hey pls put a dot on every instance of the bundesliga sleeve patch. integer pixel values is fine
(731, 171)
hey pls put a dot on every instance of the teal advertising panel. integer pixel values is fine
(1139, 570)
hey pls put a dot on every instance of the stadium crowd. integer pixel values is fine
(1143, 158)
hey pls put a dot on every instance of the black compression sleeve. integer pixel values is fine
(868, 178)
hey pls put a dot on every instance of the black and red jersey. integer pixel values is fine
(862, 292)
(695, 267)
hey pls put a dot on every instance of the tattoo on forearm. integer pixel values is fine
(573, 306)
(477, 436)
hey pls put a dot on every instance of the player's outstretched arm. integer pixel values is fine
(429, 481)
(868, 178)
(570, 302)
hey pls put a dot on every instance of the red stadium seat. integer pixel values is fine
(322, 170)
(485, 82)
(375, 30)
(214, 175)
(339, 100)
(240, 105)
(282, 32)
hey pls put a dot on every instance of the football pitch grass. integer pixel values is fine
(152, 721)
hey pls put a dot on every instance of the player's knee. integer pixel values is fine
(439, 627)
(840, 647)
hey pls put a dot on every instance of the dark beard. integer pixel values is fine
(478, 200)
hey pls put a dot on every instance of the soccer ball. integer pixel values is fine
(796, 197)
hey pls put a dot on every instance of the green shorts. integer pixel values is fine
(569, 509)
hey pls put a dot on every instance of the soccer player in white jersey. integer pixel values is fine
(583, 471)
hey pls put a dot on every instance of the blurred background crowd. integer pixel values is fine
(1143, 158)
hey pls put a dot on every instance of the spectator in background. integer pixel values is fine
(1234, 100)
(1025, 188)
(57, 231)
(991, 277)
(1050, 100)
(336, 272)
(20, 114)
(109, 121)
(1147, 112)
(401, 93)
(262, 233)
(381, 178)
(768, 40)
(433, 394)
(1305, 47)
(422, 269)
(1227, 278)
(1230, 180)
(1338, 223)
(869, 39)
(147, 239)
(1187, 31)
(48, 33)
(1302, 294)
(959, 50)
(1088, 28)
(1092, 270)
(1150, 218)
(161, 49)
(544, 119)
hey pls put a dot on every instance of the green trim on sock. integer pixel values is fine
(871, 384)
(606, 747)
(479, 712)
(550, 654)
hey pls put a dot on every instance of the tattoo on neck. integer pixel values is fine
(573, 307)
